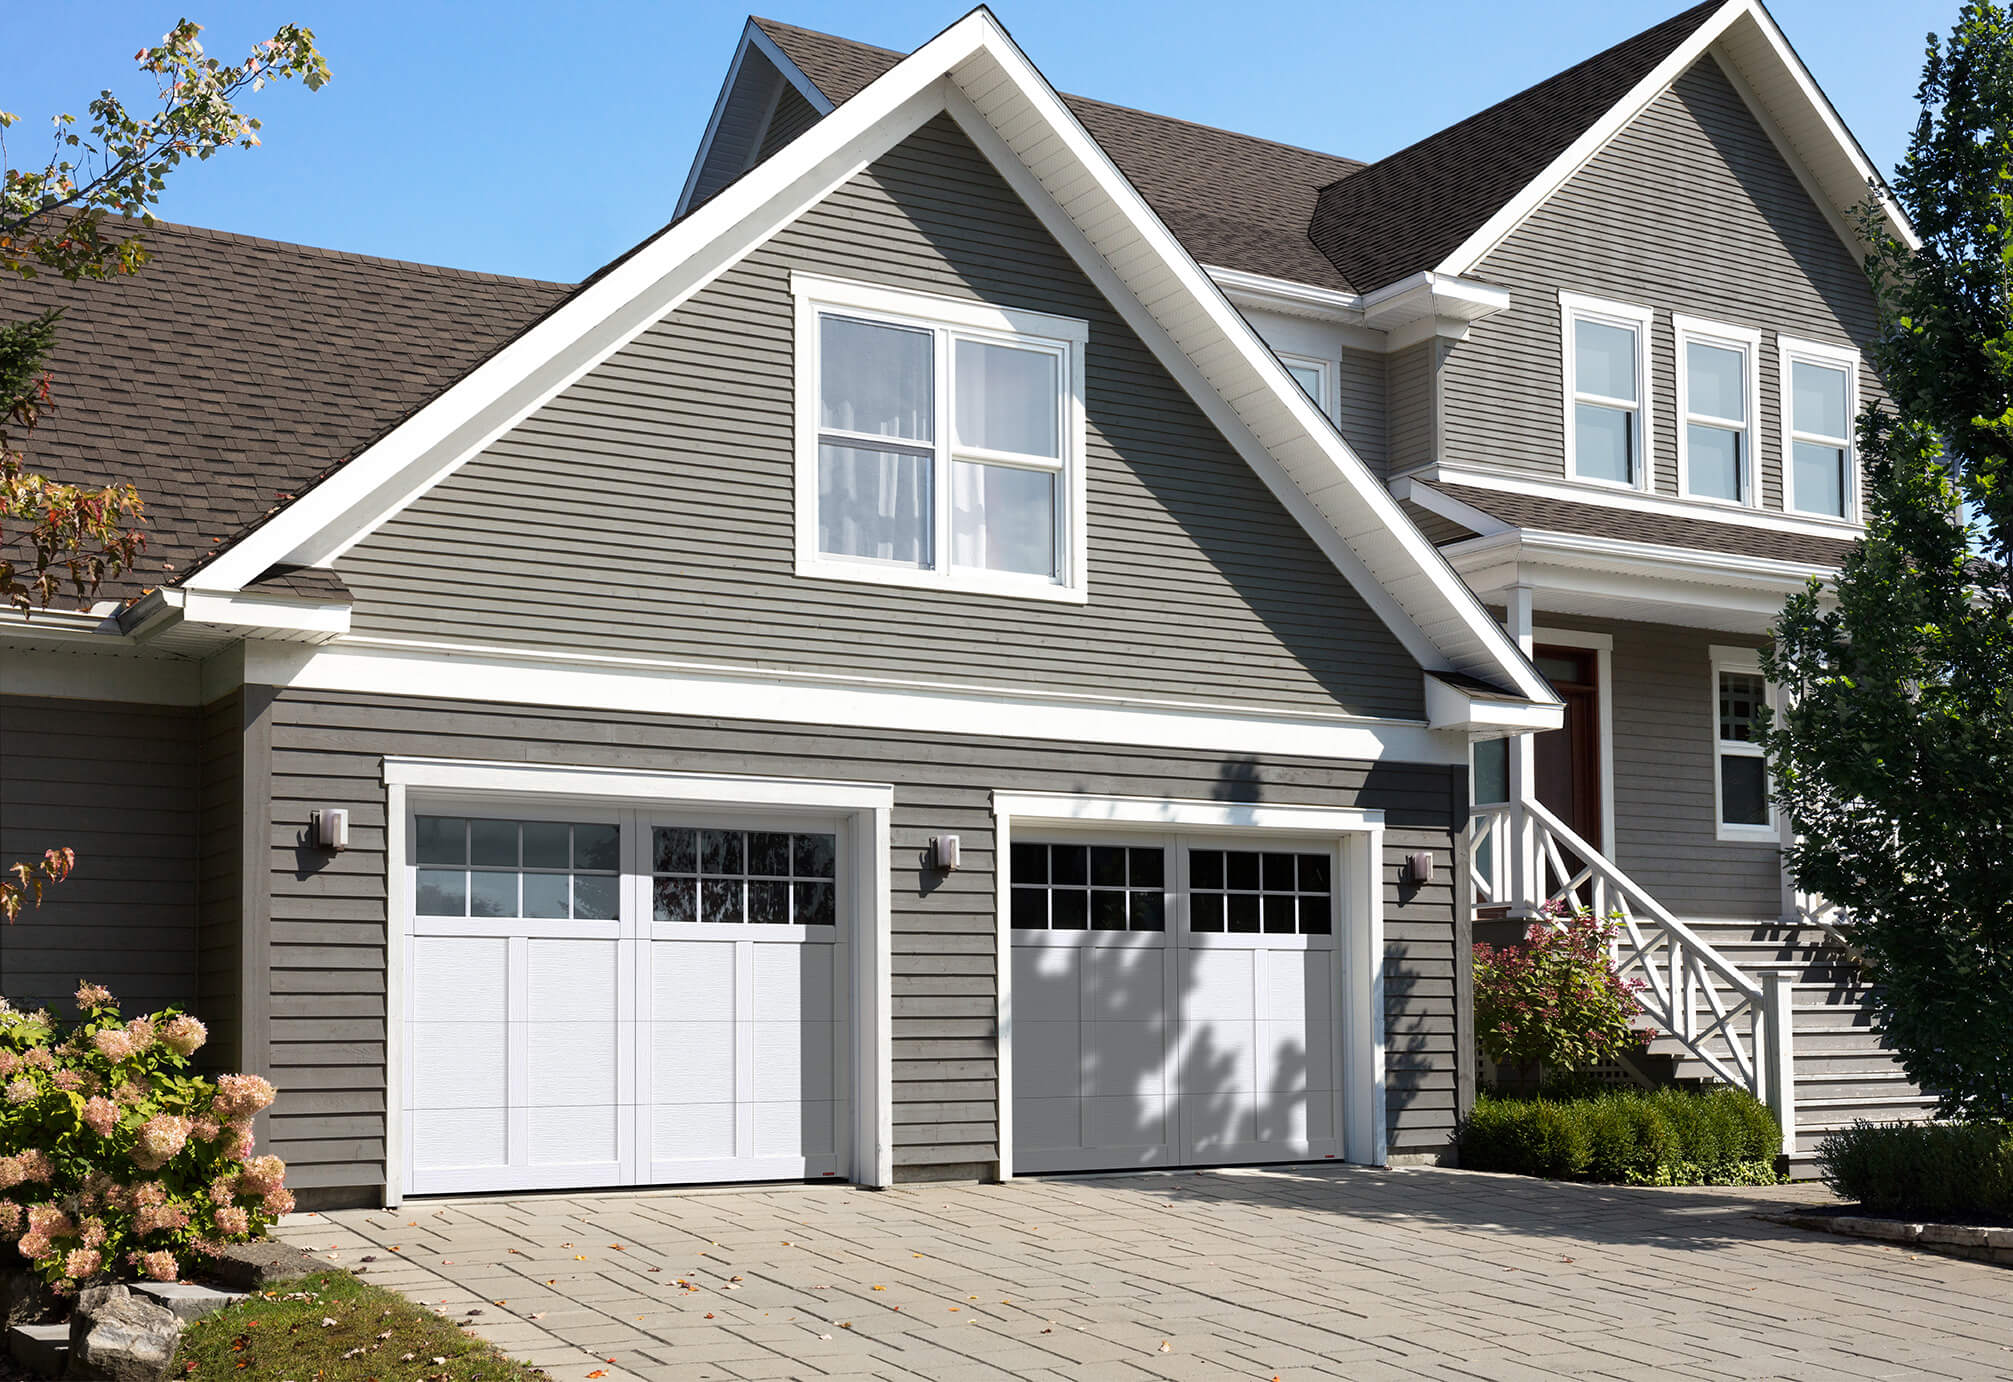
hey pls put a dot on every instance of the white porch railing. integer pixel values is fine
(1521, 856)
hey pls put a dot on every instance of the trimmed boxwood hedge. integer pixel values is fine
(1937, 1170)
(1678, 1136)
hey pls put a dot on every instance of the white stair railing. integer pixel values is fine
(1521, 856)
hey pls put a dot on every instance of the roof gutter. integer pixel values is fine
(200, 620)
(1411, 310)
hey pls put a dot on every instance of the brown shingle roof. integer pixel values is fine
(1408, 212)
(231, 372)
(1231, 200)
(1631, 525)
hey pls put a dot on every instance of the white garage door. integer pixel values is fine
(1175, 1002)
(637, 999)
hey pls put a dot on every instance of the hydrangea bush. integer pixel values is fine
(1556, 1001)
(115, 1159)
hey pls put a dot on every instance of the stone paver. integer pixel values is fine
(1318, 1272)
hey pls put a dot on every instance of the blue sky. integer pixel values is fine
(543, 139)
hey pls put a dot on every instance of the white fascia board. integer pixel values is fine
(1180, 813)
(598, 320)
(1428, 295)
(1471, 251)
(1380, 555)
(633, 784)
(1451, 708)
(648, 686)
(235, 614)
(1410, 489)
(1636, 501)
(1286, 295)
(73, 670)
(1338, 483)
(1529, 547)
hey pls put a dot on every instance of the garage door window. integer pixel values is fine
(743, 877)
(476, 867)
(1251, 891)
(1084, 887)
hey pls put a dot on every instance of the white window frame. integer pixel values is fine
(1789, 350)
(1575, 307)
(1325, 369)
(1685, 331)
(947, 319)
(1746, 662)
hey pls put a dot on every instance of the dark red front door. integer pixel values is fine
(1569, 759)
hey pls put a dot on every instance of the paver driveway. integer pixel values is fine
(1295, 1273)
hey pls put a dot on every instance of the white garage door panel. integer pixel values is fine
(1147, 1047)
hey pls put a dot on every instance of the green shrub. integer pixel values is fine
(115, 1160)
(1937, 1170)
(1718, 1136)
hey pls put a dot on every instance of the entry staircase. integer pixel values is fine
(1779, 1008)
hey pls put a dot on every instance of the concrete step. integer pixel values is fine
(186, 1300)
(41, 1350)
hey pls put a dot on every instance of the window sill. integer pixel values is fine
(942, 582)
(1749, 835)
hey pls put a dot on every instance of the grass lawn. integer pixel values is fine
(330, 1327)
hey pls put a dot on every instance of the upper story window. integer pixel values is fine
(1311, 375)
(1607, 391)
(1740, 770)
(1718, 383)
(940, 442)
(1820, 391)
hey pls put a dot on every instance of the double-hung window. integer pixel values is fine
(1820, 391)
(940, 442)
(1718, 382)
(1607, 391)
(1740, 770)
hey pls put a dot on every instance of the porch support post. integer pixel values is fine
(1777, 990)
(1524, 873)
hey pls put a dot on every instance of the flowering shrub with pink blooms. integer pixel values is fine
(1555, 1001)
(116, 1159)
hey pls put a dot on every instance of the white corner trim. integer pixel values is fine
(398, 927)
(946, 320)
(1788, 351)
(1471, 251)
(1746, 340)
(1574, 307)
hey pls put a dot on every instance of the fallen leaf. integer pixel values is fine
(598, 1372)
(1166, 1347)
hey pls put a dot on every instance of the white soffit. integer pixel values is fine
(1794, 110)
(1232, 375)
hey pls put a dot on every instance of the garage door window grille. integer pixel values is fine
(475, 867)
(1071, 887)
(1249, 891)
(737, 877)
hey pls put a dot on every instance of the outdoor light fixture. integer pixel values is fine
(943, 852)
(330, 828)
(1419, 868)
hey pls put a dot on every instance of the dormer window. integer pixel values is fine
(940, 442)
(1718, 372)
(1607, 391)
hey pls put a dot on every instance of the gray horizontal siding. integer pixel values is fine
(221, 893)
(328, 912)
(1689, 209)
(118, 784)
(1412, 406)
(1666, 837)
(1359, 394)
(791, 117)
(740, 126)
(648, 509)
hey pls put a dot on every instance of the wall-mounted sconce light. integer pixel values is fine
(329, 826)
(1419, 868)
(943, 852)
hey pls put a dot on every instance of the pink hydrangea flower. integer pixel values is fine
(142, 1031)
(149, 1195)
(35, 1165)
(93, 1233)
(10, 1065)
(205, 1130)
(38, 1057)
(68, 1080)
(129, 1093)
(160, 1138)
(223, 1190)
(241, 1096)
(159, 1217)
(279, 1200)
(21, 1090)
(234, 1222)
(262, 1175)
(101, 1115)
(156, 1266)
(183, 1035)
(93, 996)
(10, 1218)
(114, 1044)
(35, 1246)
(82, 1263)
(49, 1221)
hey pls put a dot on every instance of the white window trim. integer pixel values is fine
(1685, 330)
(1359, 936)
(1748, 662)
(1325, 368)
(1066, 336)
(867, 808)
(1790, 349)
(1575, 307)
